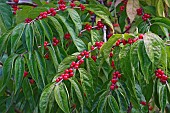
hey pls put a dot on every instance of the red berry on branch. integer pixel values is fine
(82, 7)
(122, 8)
(32, 81)
(143, 103)
(94, 57)
(72, 4)
(140, 36)
(67, 36)
(16, 1)
(112, 87)
(79, 57)
(57, 80)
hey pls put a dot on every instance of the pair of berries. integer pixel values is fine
(55, 41)
(140, 13)
(161, 75)
(116, 76)
(144, 104)
(88, 27)
(82, 7)
(31, 80)
(98, 45)
(28, 20)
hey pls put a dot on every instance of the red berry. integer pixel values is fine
(67, 36)
(81, 61)
(65, 78)
(164, 77)
(54, 44)
(114, 81)
(16, 1)
(112, 87)
(66, 71)
(47, 56)
(150, 108)
(82, 7)
(57, 80)
(71, 74)
(139, 11)
(92, 47)
(25, 73)
(111, 54)
(140, 36)
(72, 4)
(31, 81)
(94, 58)
(122, 8)
(79, 57)
(70, 70)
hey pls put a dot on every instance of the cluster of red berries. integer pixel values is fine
(83, 54)
(15, 8)
(91, 13)
(62, 5)
(88, 27)
(116, 76)
(140, 13)
(129, 41)
(51, 12)
(97, 45)
(55, 41)
(28, 20)
(144, 104)
(67, 36)
(100, 25)
(161, 75)
(45, 45)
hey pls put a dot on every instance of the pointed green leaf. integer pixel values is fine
(163, 98)
(61, 97)
(113, 104)
(45, 96)
(101, 104)
(29, 34)
(19, 71)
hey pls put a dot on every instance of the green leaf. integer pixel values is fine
(113, 104)
(41, 65)
(122, 22)
(101, 104)
(106, 48)
(160, 8)
(153, 46)
(61, 97)
(36, 11)
(58, 27)
(47, 30)
(7, 70)
(6, 15)
(162, 21)
(19, 71)
(33, 69)
(163, 98)
(45, 96)
(78, 42)
(76, 20)
(102, 12)
(54, 57)
(29, 37)
(28, 93)
(87, 82)
(145, 62)
(122, 102)
(75, 86)
(148, 90)
(131, 7)
(156, 94)
(3, 42)
(66, 63)
(16, 36)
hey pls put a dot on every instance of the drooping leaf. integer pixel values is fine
(163, 98)
(75, 86)
(76, 19)
(16, 35)
(28, 93)
(29, 35)
(131, 7)
(41, 66)
(113, 104)
(101, 104)
(7, 70)
(58, 27)
(19, 71)
(45, 96)
(61, 97)
(106, 48)
(160, 8)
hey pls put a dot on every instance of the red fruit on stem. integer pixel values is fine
(140, 36)
(25, 73)
(143, 103)
(32, 81)
(112, 87)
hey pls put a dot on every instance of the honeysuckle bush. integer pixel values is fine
(96, 56)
